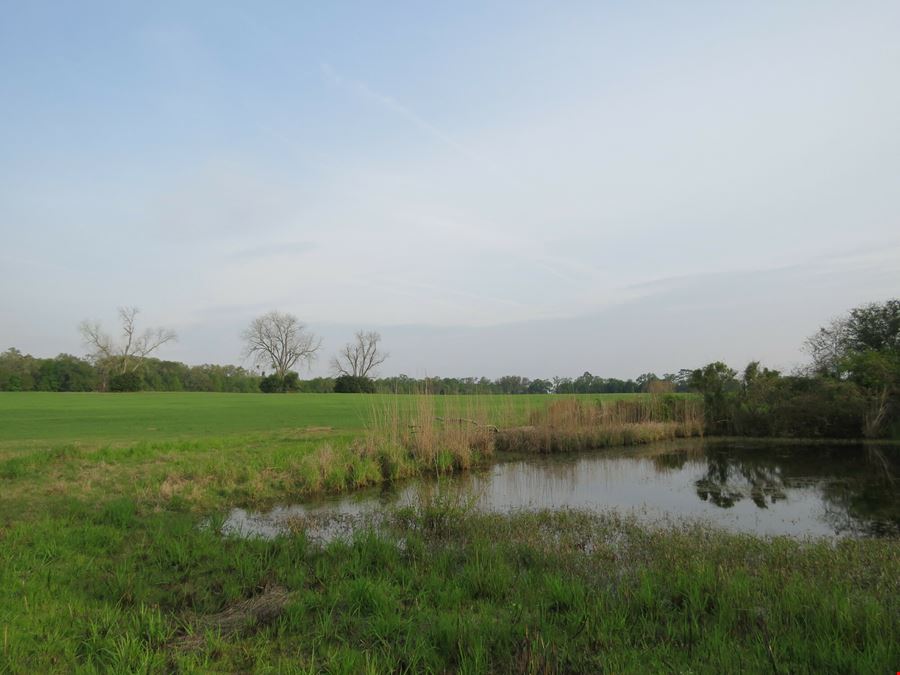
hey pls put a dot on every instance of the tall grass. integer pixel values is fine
(572, 424)
(440, 590)
(429, 435)
(426, 434)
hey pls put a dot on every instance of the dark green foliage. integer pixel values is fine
(864, 347)
(273, 384)
(16, 371)
(234, 379)
(126, 382)
(351, 384)
(717, 384)
(874, 327)
(164, 375)
(853, 389)
(798, 407)
(317, 385)
(23, 372)
(540, 386)
(65, 373)
(764, 403)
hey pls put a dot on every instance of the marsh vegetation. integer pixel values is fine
(117, 553)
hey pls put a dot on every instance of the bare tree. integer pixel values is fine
(125, 355)
(279, 341)
(361, 357)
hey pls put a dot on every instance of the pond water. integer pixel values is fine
(767, 489)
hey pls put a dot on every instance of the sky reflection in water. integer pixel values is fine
(814, 491)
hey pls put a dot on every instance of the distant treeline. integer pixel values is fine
(850, 390)
(23, 372)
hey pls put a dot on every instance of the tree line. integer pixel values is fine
(850, 389)
(65, 372)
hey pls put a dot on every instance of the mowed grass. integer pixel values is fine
(154, 416)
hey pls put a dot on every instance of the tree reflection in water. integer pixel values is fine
(857, 483)
(729, 480)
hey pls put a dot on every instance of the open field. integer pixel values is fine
(111, 558)
(150, 416)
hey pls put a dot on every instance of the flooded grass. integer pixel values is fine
(439, 589)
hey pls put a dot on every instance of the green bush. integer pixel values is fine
(351, 384)
(273, 384)
(126, 382)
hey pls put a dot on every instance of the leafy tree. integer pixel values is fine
(512, 384)
(317, 385)
(65, 373)
(877, 372)
(874, 327)
(868, 327)
(643, 381)
(539, 386)
(353, 384)
(17, 371)
(864, 347)
(276, 384)
(129, 381)
(715, 381)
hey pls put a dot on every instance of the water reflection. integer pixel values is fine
(765, 489)
(726, 482)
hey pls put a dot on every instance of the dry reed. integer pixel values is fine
(427, 434)
(571, 424)
(431, 435)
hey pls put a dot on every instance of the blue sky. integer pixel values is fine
(497, 187)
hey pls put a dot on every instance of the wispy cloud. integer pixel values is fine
(390, 103)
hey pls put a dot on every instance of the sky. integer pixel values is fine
(497, 187)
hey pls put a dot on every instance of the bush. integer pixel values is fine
(272, 384)
(126, 382)
(350, 384)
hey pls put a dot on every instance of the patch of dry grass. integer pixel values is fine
(571, 424)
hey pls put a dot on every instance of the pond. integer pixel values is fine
(759, 488)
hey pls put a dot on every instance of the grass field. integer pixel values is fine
(151, 416)
(111, 559)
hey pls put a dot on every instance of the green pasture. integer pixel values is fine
(150, 416)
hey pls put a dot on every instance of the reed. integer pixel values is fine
(572, 424)
(428, 435)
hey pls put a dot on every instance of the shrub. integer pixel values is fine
(273, 384)
(126, 382)
(352, 384)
